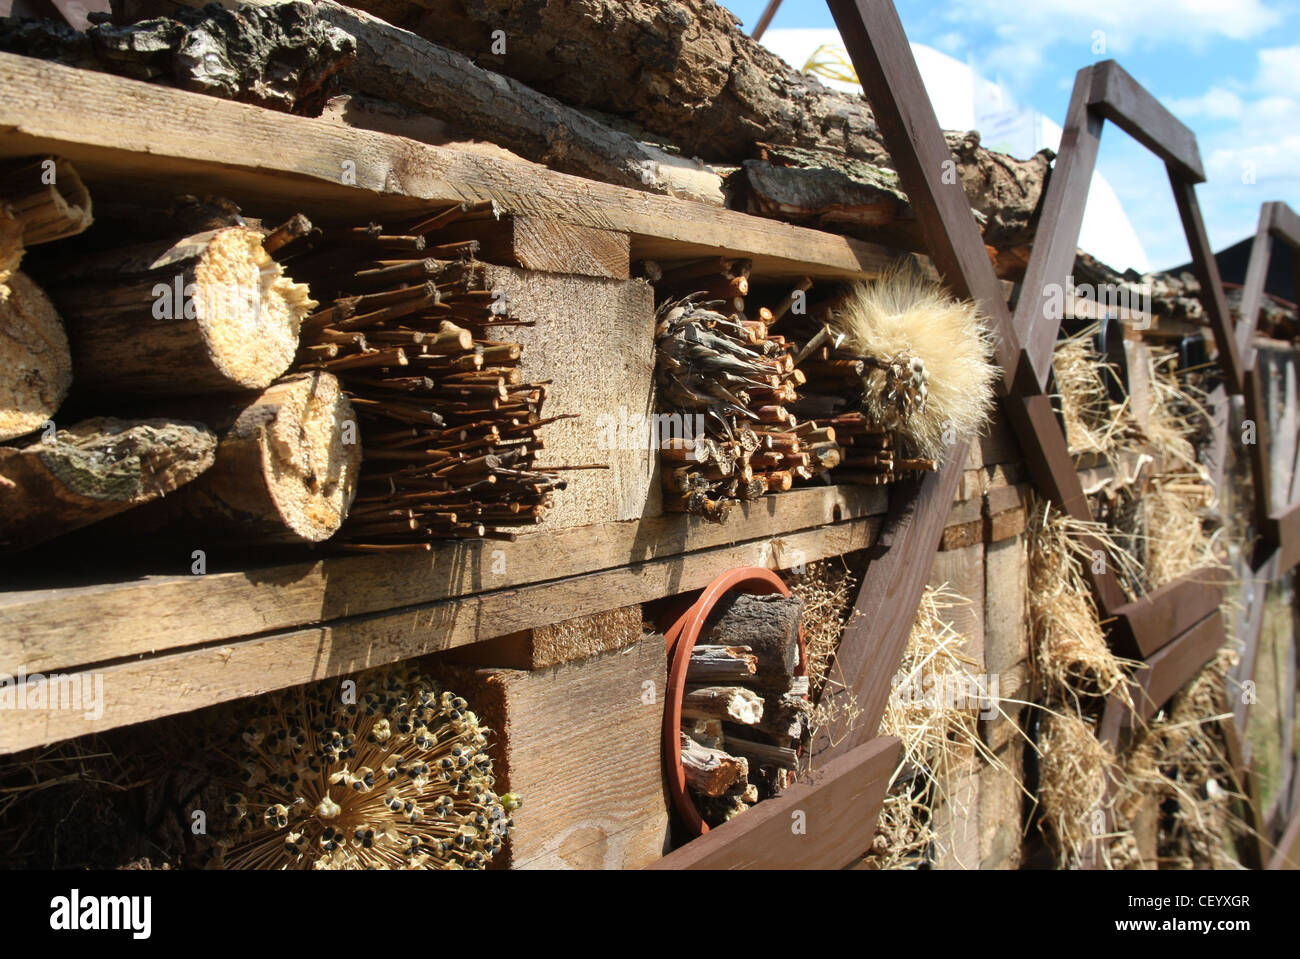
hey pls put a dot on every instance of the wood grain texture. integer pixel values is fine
(288, 164)
(177, 682)
(607, 326)
(823, 822)
(45, 630)
(546, 246)
(1123, 101)
(580, 743)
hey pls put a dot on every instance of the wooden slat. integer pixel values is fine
(133, 137)
(1057, 238)
(1173, 609)
(45, 630)
(1287, 531)
(1285, 224)
(1173, 666)
(1123, 101)
(1206, 269)
(1252, 292)
(824, 822)
(178, 682)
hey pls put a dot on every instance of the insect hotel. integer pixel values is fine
(426, 445)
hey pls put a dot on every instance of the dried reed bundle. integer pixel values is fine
(399, 779)
(1068, 647)
(1093, 424)
(928, 373)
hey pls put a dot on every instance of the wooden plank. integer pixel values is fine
(1286, 855)
(873, 644)
(580, 742)
(1206, 269)
(1173, 666)
(45, 630)
(1173, 609)
(1057, 240)
(1285, 224)
(824, 822)
(177, 682)
(109, 127)
(1252, 292)
(1123, 101)
(546, 246)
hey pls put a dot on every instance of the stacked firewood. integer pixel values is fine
(744, 711)
(732, 382)
(450, 424)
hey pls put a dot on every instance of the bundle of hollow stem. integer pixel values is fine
(450, 425)
(398, 779)
(736, 379)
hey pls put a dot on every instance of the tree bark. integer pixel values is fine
(93, 470)
(286, 467)
(720, 664)
(211, 312)
(35, 366)
(733, 703)
(768, 625)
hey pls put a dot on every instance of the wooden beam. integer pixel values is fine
(1206, 269)
(105, 124)
(1252, 292)
(1174, 665)
(1122, 100)
(142, 689)
(824, 822)
(1172, 609)
(1057, 239)
(44, 630)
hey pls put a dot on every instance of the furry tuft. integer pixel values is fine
(904, 317)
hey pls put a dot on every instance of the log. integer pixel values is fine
(706, 732)
(210, 312)
(11, 246)
(767, 625)
(93, 470)
(684, 72)
(35, 366)
(47, 195)
(281, 56)
(761, 754)
(711, 772)
(285, 470)
(398, 66)
(734, 703)
(713, 664)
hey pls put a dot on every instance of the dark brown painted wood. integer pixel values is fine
(1122, 100)
(825, 822)
(1172, 609)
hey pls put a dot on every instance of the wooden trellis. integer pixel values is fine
(1176, 629)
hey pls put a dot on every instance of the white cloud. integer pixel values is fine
(1215, 102)
(1279, 70)
(1127, 25)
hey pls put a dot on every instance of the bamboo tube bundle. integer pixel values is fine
(206, 313)
(744, 711)
(408, 325)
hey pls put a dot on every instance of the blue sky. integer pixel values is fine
(1229, 69)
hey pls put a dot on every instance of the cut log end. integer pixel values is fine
(35, 366)
(243, 299)
(47, 195)
(11, 247)
(287, 469)
(94, 470)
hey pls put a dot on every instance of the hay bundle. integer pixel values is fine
(933, 710)
(927, 355)
(1093, 424)
(1074, 769)
(828, 589)
(1068, 646)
